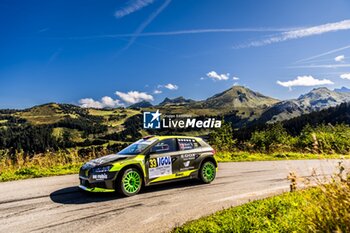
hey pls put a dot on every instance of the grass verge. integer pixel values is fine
(41, 165)
(283, 213)
(242, 156)
(290, 212)
(324, 208)
(35, 171)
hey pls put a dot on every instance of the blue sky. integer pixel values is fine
(111, 53)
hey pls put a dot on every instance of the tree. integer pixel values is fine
(222, 138)
(274, 137)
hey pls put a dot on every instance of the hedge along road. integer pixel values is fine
(55, 204)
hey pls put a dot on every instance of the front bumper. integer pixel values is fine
(91, 184)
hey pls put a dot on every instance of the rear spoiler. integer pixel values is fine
(204, 137)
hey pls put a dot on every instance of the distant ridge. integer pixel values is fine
(142, 104)
(342, 90)
(176, 101)
(315, 100)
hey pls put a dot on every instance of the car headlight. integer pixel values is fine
(87, 165)
(101, 169)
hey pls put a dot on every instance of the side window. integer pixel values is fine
(164, 146)
(187, 144)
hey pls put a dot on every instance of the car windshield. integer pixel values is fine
(136, 147)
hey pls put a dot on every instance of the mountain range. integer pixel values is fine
(251, 105)
(238, 104)
(55, 125)
(315, 100)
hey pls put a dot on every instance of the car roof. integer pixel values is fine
(170, 136)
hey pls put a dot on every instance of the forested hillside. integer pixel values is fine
(52, 127)
(55, 127)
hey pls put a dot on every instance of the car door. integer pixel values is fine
(163, 161)
(190, 151)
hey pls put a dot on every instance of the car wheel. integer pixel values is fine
(129, 183)
(207, 172)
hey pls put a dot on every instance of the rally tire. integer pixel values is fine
(129, 183)
(207, 172)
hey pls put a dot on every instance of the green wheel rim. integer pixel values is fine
(208, 172)
(132, 182)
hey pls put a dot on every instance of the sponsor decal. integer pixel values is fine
(161, 166)
(186, 166)
(186, 144)
(102, 176)
(186, 140)
(188, 156)
(152, 120)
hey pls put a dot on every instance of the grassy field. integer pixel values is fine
(120, 115)
(41, 165)
(282, 213)
(320, 209)
(35, 171)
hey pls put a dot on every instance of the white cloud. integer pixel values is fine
(109, 102)
(345, 76)
(305, 81)
(339, 58)
(132, 7)
(202, 78)
(157, 92)
(171, 86)
(133, 97)
(106, 102)
(235, 78)
(301, 33)
(90, 103)
(215, 76)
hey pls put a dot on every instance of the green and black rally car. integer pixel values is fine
(151, 160)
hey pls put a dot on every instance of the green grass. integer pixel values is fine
(45, 114)
(324, 208)
(283, 213)
(243, 156)
(114, 112)
(38, 171)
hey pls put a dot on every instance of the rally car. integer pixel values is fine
(151, 160)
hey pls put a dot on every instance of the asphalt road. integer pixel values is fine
(55, 204)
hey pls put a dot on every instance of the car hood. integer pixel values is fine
(104, 160)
